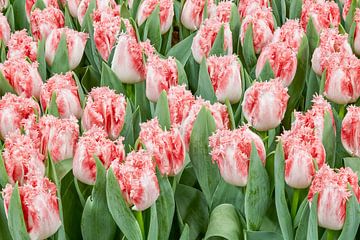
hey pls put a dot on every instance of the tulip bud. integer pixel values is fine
(22, 159)
(346, 8)
(180, 101)
(192, 13)
(21, 45)
(290, 33)
(282, 59)
(262, 28)
(4, 29)
(247, 7)
(100, 4)
(223, 11)
(40, 207)
(75, 42)
(23, 77)
(350, 131)
(225, 77)
(95, 143)
(67, 96)
(30, 3)
(73, 6)
(105, 108)
(42, 22)
(205, 38)
(4, 4)
(137, 179)
(333, 191)
(161, 74)
(356, 31)
(264, 104)
(231, 150)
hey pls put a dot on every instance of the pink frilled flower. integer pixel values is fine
(73, 6)
(357, 31)
(105, 109)
(42, 22)
(166, 12)
(350, 131)
(291, 34)
(330, 42)
(231, 150)
(301, 148)
(67, 96)
(333, 191)
(282, 59)
(223, 11)
(262, 28)
(137, 179)
(346, 8)
(58, 137)
(247, 7)
(75, 41)
(4, 29)
(39, 205)
(167, 147)
(192, 13)
(23, 160)
(264, 104)
(30, 3)
(95, 142)
(205, 38)
(180, 102)
(225, 77)
(23, 77)
(161, 74)
(100, 4)
(21, 45)
(13, 110)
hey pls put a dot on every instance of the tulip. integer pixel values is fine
(4, 29)
(247, 7)
(262, 28)
(346, 8)
(333, 193)
(205, 38)
(166, 12)
(100, 4)
(75, 41)
(21, 45)
(192, 13)
(30, 3)
(225, 77)
(223, 11)
(137, 179)
(161, 74)
(95, 143)
(357, 31)
(22, 159)
(73, 6)
(22, 76)
(105, 108)
(290, 33)
(231, 150)
(350, 131)
(67, 96)
(13, 110)
(282, 59)
(40, 207)
(180, 101)
(264, 104)
(42, 22)
(167, 147)
(4, 4)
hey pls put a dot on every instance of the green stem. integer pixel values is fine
(295, 201)
(139, 218)
(330, 235)
(342, 111)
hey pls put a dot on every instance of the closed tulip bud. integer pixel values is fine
(350, 131)
(105, 109)
(346, 8)
(67, 96)
(23, 77)
(30, 3)
(247, 7)
(73, 6)
(75, 42)
(357, 31)
(264, 104)
(223, 11)
(100, 4)
(231, 151)
(161, 74)
(282, 59)
(95, 142)
(42, 22)
(21, 45)
(22, 159)
(225, 77)
(4, 29)
(4, 4)
(193, 11)
(39, 204)
(137, 179)
(333, 193)
(205, 38)
(290, 34)
(180, 101)
(262, 28)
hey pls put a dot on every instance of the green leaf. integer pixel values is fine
(166, 41)
(61, 59)
(124, 11)
(185, 233)
(248, 49)
(20, 17)
(90, 79)
(2, 51)
(10, 17)
(312, 36)
(68, 20)
(128, 131)
(205, 88)
(260, 235)
(322, 82)
(352, 219)
(231, 113)
(142, 102)
(162, 111)
(182, 50)
(134, 8)
(227, 193)
(154, 226)
(119, 209)
(63, 167)
(192, 71)
(80, 90)
(218, 46)
(303, 223)
(52, 108)
(181, 74)
(41, 59)
(312, 231)
(224, 223)
(329, 140)
(235, 25)
(109, 78)
(5, 86)
(3, 174)
(350, 15)
(152, 29)
(267, 72)
(4, 229)
(353, 163)
(295, 9)
(312, 87)
(39, 4)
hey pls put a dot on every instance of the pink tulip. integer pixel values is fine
(231, 150)
(100, 4)
(21, 45)
(264, 104)
(192, 13)
(42, 22)
(67, 96)
(247, 7)
(4, 29)
(23, 77)
(357, 31)
(290, 34)
(73, 6)
(180, 102)
(39, 205)
(30, 3)
(167, 147)
(223, 11)
(105, 109)
(4, 4)
(137, 179)
(75, 42)
(225, 77)
(346, 8)
(350, 131)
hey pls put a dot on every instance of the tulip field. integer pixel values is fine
(179, 119)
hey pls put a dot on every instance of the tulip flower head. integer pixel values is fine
(193, 11)
(30, 3)
(4, 29)
(357, 31)
(290, 33)
(223, 11)
(4, 4)
(21, 45)
(247, 7)
(100, 5)
(346, 8)
(180, 102)
(350, 131)
(73, 6)
(42, 22)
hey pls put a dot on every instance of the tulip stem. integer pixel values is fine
(139, 218)
(342, 111)
(295, 201)
(330, 234)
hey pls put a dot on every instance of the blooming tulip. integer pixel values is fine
(100, 4)
(180, 101)
(346, 8)
(192, 13)
(4, 29)
(73, 6)
(231, 150)
(21, 45)
(30, 3)
(223, 11)
(357, 31)
(350, 131)
(42, 22)
(290, 33)
(264, 104)
(247, 7)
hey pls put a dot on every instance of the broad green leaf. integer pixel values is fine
(52, 108)
(303, 223)
(10, 17)
(162, 111)
(350, 15)
(329, 140)
(248, 49)
(231, 114)
(39, 4)
(154, 226)
(227, 193)
(68, 20)
(41, 59)
(109, 78)
(260, 235)
(4, 229)
(152, 29)
(80, 90)
(181, 74)
(124, 11)
(2, 51)
(61, 59)
(353, 163)
(205, 88)
(312, 36)
(352, 219)
(192, 71)
(134, 8)
(90, 79)
(185, 233)
(63, 167)
(351, 35)
(235, 24)
(312, 230)
(166, 41)
(128, 129)
(322, 82)
(312, 87)
(267, 72)
(182, 50)
(20, 18)
(5, 86)
(3, 174)
(142, 102)
(218, 46)
(295, 9)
